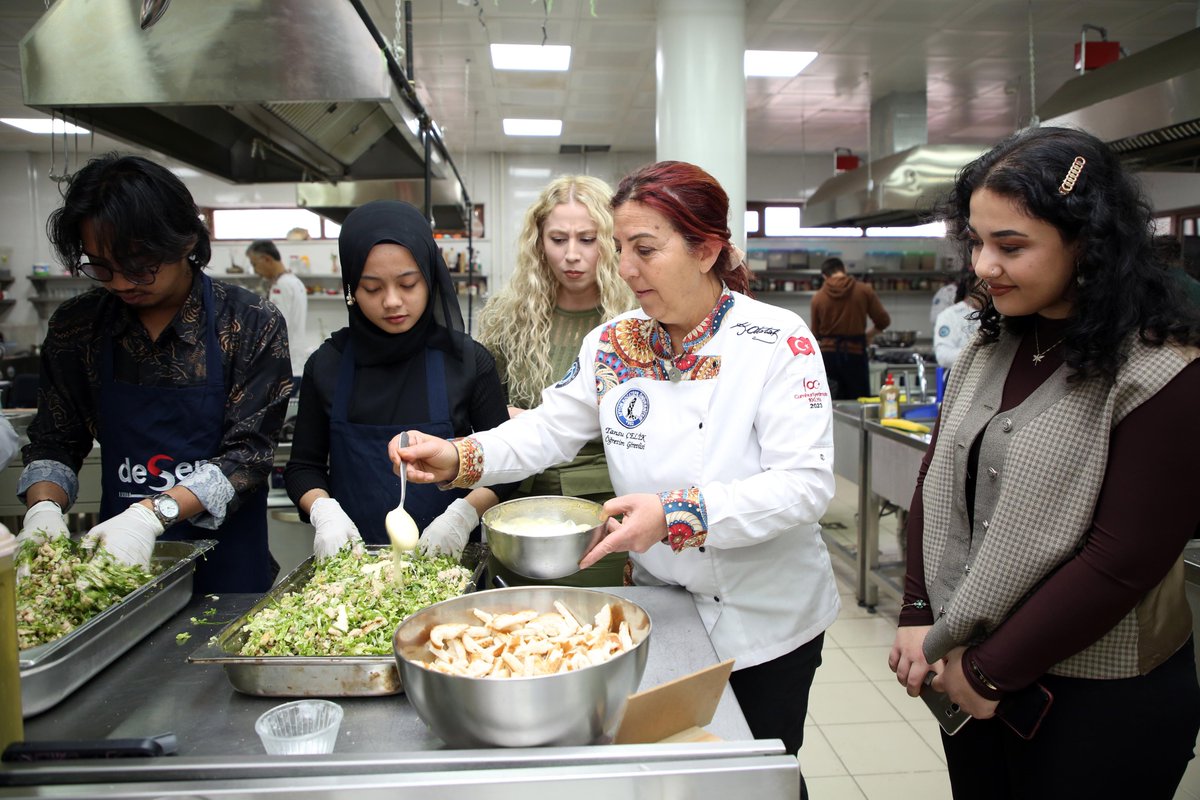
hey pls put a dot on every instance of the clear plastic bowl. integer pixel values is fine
(299, 727)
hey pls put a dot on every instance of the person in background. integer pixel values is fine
(403, 362)
(1054, 503)
(956, 325)
(840, 310)
(287, 293)
(718, 430)
(943, 298)
(565, 284)
(183, 381)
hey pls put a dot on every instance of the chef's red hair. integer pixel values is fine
(695, 205)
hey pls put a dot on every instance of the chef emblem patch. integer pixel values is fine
(944, 331)
(572, 371)
(633, 408)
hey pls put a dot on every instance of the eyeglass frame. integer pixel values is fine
(143, 278)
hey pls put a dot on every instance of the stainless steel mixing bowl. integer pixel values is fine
(567, 708)
(517, 546)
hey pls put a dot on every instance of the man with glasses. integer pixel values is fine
(182, 380)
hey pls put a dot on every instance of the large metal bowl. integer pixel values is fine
(519, 546)
(567, 708)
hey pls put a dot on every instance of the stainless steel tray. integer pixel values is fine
(304, 676)
(51, 671)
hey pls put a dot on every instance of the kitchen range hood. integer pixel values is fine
(1146, 106)
(904, 188)
(335, 201)
(262, 91)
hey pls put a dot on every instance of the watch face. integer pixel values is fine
(167, 506)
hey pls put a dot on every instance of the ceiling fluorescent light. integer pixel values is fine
(532, 127)
(776, 63)
(547, 57)
(42, 125)
(933, 230)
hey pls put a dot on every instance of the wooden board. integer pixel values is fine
(677, 710)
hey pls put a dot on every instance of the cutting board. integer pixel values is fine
(676, 711)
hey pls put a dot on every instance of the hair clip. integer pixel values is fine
(349, 297)
(1072, 175)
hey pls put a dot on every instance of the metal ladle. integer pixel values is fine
(400, 526)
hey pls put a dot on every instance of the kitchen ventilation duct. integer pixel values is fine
(1146, 106)
(263, 91)
(336, 201)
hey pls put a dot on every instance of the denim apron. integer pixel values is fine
(360, 472)
(152, 436)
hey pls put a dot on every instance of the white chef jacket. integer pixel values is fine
(943, 298)
(291, 298)
(756, 440)
(952, 332)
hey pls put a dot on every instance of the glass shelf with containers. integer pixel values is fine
(918, 266)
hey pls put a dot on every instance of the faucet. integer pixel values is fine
(920, 362)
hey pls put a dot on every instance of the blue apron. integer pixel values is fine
(151, 437)
(360, 472)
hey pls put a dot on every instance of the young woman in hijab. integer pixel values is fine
(403, 362)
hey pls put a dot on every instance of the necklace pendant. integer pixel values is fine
(674, 374)
(1037, 358)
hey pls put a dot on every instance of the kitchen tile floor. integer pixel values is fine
(865, 739)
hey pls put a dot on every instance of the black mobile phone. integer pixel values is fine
(947, 712)
(1024, 711)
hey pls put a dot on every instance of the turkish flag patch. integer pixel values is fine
(800, 346)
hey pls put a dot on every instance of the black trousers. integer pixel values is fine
(774, 696)
(1126, 738)
(848, 374)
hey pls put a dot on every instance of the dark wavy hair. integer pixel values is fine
(1121, 284)
(695, 205)
(142, 215)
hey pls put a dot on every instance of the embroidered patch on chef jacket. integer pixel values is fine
(944, 331)
(633, 408)
(572, 371)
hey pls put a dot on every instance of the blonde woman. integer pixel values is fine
(564, 285)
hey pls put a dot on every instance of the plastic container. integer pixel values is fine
(889, 399)
(300, 727)
(12, 728)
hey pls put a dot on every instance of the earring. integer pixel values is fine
(349, 297)
(1079, 279)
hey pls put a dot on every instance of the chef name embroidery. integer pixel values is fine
(630, 440)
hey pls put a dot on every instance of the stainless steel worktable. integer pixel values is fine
(383, 749)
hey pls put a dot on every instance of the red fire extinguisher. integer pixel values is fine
(844, 160)
(1093, 55)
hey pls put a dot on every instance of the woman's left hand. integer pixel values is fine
(644, 524)
(954, 682)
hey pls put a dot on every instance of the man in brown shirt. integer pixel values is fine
(840, 310)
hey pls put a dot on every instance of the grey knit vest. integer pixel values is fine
(1041, 466)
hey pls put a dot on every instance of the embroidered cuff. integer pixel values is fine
(213, 490)
(470, 463)
(687, 517)
(47, 469)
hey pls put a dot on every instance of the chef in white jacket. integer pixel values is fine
(715, 416)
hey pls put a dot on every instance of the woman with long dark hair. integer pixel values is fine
(1045, 575)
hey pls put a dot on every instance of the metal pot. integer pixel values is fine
(566, 708)
(526, 551)
(895, 338)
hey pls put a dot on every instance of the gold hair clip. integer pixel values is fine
(1072, 175)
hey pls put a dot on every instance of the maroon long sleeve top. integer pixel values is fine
(1145, 514)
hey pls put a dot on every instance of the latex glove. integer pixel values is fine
(448, 533)
(334, 528)
(44, 521)
(129, 536)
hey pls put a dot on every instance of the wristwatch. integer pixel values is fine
(166, 508)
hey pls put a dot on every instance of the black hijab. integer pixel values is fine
(398, 223)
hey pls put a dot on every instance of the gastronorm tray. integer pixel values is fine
(304, 676)
(51, 671)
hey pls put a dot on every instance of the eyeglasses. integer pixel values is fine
(105, 273)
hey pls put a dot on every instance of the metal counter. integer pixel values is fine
(383, 748)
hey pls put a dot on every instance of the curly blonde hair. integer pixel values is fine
(515, 323)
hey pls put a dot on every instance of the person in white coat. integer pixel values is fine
(715, 416)
(956, 326)
(289, 295)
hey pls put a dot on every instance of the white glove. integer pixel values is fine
(44, 521)
(334, 528)
(448, 533)
(129, 536)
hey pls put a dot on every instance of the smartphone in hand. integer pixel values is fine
(1024, 711)
(947, 712)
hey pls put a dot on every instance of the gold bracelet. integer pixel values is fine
(979, 676)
